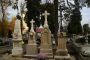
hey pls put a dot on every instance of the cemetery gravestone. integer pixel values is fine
(31, 48)
(17, 39)
(46, 45)
(62, 52)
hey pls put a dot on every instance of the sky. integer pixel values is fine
(85, 12)
(11, 13)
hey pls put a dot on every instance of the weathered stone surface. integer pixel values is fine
(46, 45)
(17, 39)
(62, 53)
(61, 49)
(62, 57)
(31, 47)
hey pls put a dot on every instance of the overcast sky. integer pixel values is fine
(85, 15)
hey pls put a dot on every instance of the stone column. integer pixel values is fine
(17, 39)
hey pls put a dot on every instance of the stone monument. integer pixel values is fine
(62, 53)
(17, 39)
(24, 25)
(46, 45)
(31, 48)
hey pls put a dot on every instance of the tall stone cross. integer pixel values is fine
(32, 26)
(45, 14)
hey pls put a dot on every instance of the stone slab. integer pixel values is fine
(17, 51)
(31, 49)
(30, 56)
(46, 46)
(61, 43)
(62, 52)
(62, 57)
(61, 48)
(35, 57)
(47, 49)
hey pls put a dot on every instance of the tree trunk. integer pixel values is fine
(56, 17)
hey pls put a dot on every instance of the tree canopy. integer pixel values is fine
(88, 3)
(34, 10)
(75, 23)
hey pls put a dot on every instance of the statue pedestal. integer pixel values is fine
(62, 52)
(17, 40)
(17, 52)
(17, 48)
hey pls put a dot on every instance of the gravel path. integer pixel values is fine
(9, 57)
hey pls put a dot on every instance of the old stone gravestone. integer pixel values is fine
(62, 52)
(31, 48)
(46, 46)
(17, 39)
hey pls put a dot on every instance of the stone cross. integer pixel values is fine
(32, 28)
(31, 48)
(45, 14)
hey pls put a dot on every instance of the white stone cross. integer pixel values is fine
(45, 14)
(32, 26)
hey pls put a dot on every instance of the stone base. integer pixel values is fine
(67, 57)
(47, 51)
(30, 56)
(62, 52)
(35, 57)
(17, 51)
(31, 49)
